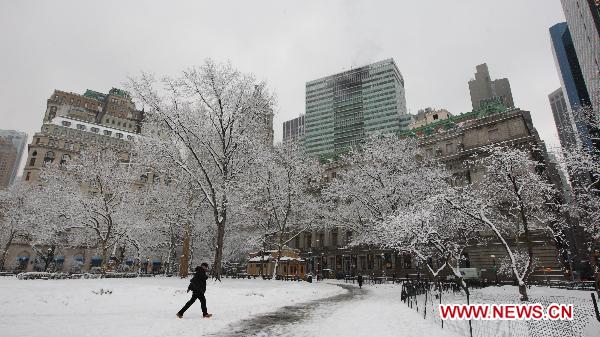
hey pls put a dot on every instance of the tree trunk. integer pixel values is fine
(185, 257)
(5, 250)
(523, 292)
(219, 249)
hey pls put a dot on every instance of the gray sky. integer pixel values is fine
(75, 45)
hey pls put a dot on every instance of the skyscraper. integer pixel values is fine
(583, 19)
(483, 89)
(18, 140)
(563, 118)
(567, 64)
(343, 109)
(293, 130)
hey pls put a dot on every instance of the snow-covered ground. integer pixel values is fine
(138, 307)
(377, 311)
(147, 306)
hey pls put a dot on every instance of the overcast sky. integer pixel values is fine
(76, 45)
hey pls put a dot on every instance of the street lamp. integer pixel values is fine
(494, 267)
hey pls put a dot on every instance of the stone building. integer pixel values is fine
(72, 121)
(429, 116)
(8, 160)
(451, 141)
(484, 90)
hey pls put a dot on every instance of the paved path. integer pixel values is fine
(371, 311)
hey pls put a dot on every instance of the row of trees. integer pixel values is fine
(216, 176)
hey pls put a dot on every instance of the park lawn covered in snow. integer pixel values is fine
(138, 307)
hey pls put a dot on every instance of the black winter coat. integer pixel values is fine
(198, 282)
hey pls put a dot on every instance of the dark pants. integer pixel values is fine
(195, 296)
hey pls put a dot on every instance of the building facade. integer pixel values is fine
(428, 116)
(8, 160)
(18, 140)
(72, 121)
(327, 251)
(293, 130)
(484, 90)
(563, 118)
(343, 109)
(583, 20)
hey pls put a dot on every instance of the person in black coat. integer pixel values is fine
(198, 288)
(359, 278)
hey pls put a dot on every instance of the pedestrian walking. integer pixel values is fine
(198, 288)
(360, 281)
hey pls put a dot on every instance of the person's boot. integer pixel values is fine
(207, 315)
(179, 315)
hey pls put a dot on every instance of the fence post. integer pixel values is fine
(596, 307)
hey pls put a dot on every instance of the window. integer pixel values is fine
(407, 261)
(65, 157)
(119, 135)
(32, 162)
(94, 130)
(65, 123)
(81, 127)
(51, 142)
(49, 157)
(107, 133)
(37, 140)
(144, 178)
(27, 176)
(334, 238)
(118, 123)
(129, 137)
(449, 148)
(435, 117)
(493, 135)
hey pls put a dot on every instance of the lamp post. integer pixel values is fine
(494, 267)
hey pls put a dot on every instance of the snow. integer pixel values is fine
(138, 307)
(378, 312)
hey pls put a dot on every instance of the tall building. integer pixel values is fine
(18, 140)
(583, 19)
(563, 118)
(8, 160)
(72, 121)
(569, 69)
(343, 109)
(293, 130)
(483, 89)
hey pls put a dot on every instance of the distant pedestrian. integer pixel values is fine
(198, 288)
(360, 281)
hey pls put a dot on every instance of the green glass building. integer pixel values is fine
(343, 109)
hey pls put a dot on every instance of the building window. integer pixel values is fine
(65, 123)
(144, 178)
(119, 135)
(129, 137)
(493, 135)
(63, 160)
(51, 142)
(407, 261)
(81, 127)
(32, 162)
(49, 157)
(94, 130)
(334, 238)
(37, 140)
(27, 176)
(107, 133)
